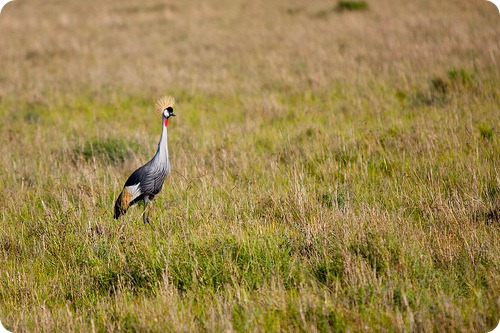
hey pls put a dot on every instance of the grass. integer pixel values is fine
(352, 5)
(349, 184)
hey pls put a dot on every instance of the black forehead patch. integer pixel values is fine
(170, 109)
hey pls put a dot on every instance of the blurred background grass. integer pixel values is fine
(335, 166)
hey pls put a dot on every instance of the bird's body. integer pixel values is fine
(147, 181)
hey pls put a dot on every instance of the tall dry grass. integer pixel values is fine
(332, 170)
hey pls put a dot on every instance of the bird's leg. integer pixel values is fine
(145, 214)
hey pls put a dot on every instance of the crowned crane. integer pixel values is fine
(147, 181)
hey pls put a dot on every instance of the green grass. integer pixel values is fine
(352, 5)
(291, 226)
(328, 194)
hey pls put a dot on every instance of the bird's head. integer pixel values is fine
(164, 106)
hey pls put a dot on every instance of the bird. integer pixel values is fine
(147, 181)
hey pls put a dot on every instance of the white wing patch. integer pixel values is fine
(135, 191)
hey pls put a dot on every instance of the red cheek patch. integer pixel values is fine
(166, 121)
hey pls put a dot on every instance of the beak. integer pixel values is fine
(172, 114)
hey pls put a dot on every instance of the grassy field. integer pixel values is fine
(335, 166)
